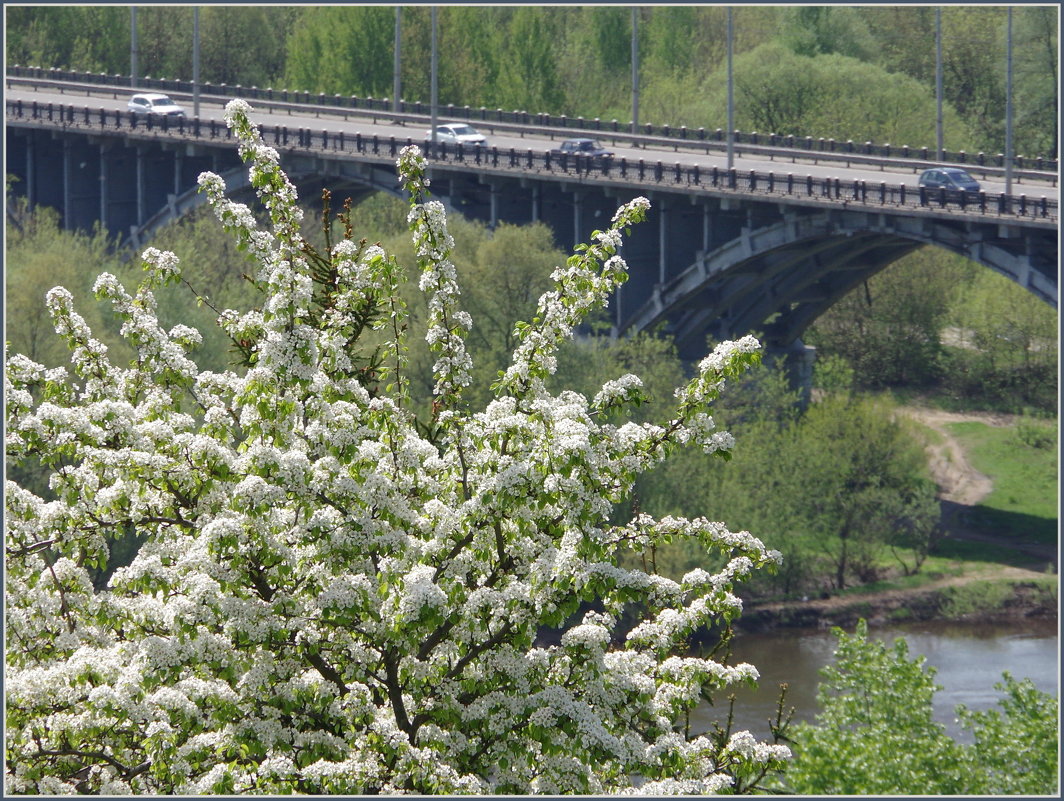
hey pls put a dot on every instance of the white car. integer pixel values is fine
(457, 133)
(154, 103)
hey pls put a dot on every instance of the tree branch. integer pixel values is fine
(127, 773)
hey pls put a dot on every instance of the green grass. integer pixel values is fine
(967, 551)
(1024, 500)
(923, 578)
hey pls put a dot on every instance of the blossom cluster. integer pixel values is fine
(328, 596)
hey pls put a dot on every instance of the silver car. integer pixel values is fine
(457, 133)
(154, 103)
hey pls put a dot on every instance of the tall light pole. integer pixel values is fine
(731, 96)
(635, 70)
(938, 84)
(396, 85)
(133, 47)
(195, 62)
(1008, 103)
(434, 70)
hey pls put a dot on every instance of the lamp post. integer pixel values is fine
(938, 83)
(731, 97)
(195, 62)
(133, 47)
(1008, 103)
(635, 70)
(396, 85)
(434, 69)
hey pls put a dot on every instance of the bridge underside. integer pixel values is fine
(702, 265)
(778, 278)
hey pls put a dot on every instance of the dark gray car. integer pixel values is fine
(954, 180)
(583, 147)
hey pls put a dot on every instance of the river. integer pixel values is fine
(969, 657)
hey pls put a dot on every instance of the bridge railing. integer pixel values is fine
(768, 144)
(616, 171)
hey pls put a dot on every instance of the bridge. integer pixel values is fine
(724, 252)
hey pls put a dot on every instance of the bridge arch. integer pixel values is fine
(779, 277)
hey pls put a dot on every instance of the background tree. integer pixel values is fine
(92, 38)
(670, 43)
(242, 45)
(164, 41)
(904, 39)
(603, 71)
(974, 72)
(890, 328)
(38, 255)
(825, 30)
(832, 95)
(843, 486)
(340, 50)
(1035, 77)
(1011, 344)
(470, 54)
(528, 75)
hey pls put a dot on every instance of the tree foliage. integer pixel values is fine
(38, 254)
(339, 592)
(1009, 344)
(842, 486)
(91, 38)
(866, 72)
(528, 75)
(875, 733)
(338, 50)
(829, 95)
(889, 329)
(824, 30)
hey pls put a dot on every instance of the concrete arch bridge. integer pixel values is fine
(723, 252)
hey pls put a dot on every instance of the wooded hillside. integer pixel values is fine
(864, 73)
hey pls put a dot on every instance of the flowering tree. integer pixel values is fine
(333, 596)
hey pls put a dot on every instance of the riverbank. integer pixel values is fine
(987, 592)
(1013, 594)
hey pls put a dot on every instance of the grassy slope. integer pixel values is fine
(1024, 502)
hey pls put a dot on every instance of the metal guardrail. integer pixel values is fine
(769, 145)
(634, 173)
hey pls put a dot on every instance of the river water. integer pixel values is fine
(969, 657)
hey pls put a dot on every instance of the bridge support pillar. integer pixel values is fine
(179, 161)
(67, 212)
(104, 187)
(142, 213)
(663, 227)
(796, 360)
(535, 202)
(578, 228)
(31, 171)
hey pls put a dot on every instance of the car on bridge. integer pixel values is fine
(957, 183)
(589, 148)
(457, 133)
(154, 103)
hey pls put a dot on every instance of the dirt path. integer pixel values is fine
(961, 486)
(957, 480)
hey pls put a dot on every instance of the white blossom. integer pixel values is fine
(333, 592)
